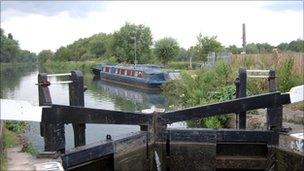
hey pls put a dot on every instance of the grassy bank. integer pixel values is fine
(204, 86)
(13, 135)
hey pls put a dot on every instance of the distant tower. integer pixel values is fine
(244, 38)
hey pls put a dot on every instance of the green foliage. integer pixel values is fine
(202, 87)
(234, 49)
(183, 55)
(45, 55)
(16, 126)
(9, 139)
(29, 148)
(166, 49)
(252, 48)
(295, 45)
(206, 45)
(97, 46)
(124, 41)
(285, 78)
(11, 52)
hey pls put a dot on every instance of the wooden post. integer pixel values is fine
(242, 93)
(274, 114)
(237, 90)
(54, 139)
(43, 90)
(76, 93)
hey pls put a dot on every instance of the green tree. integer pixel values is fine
(264, 47)
(11, 52)
(45, 55)
(63, 54)
(9, 48)
(166, 49)
(205, 45)
(296, 45)
(183, 55)
(26, 56)
(234, 49)
(252, 48)
(123, 46)
(283, 46)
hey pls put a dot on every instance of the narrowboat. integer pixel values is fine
(144, 76)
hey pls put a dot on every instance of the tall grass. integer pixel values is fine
(217, 84)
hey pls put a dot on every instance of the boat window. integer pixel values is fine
(126, 72)
(136, 73)
(122, 72)
(104, 69)
(140, 74)
(116, 71)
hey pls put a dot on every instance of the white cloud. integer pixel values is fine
(181, 20)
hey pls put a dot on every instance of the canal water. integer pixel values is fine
(19, 83)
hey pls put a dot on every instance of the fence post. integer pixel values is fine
(76, 94)
(242, 93)
(274, 114)
(237, 90)
(53, 134)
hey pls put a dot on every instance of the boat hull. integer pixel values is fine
(127, 81)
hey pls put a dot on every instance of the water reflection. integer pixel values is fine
(129, 98)
(19, 83)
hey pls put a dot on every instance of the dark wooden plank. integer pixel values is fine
(248, 136)
(204, 135)
(76, 96)
(274, 114)
(242, 93)
(87, 153)
(191, 135)
(66, 114)
(231, 106)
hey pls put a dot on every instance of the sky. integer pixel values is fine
(39, 25)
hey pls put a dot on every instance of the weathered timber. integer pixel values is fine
(87, 153)
(242, 93)
(43, 90)
(203, 135)
(53, 133)
(274, 114)
(66, 114)
(118, 147)
(76, 95)
(230, 106)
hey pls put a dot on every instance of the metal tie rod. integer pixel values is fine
(58, 75)
(57, 82)
(256, 70)
(258, 76)
(61, 82)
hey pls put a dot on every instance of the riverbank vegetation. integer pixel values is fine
(134, 44)
(13, 135)
(10, 50)
(132, 40)
(216, 84)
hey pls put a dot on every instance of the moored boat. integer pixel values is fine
(144, 76)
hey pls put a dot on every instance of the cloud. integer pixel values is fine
(49, 8)
(181, 20)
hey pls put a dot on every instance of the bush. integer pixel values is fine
(202, 87)
(286, 77)
(16, 126)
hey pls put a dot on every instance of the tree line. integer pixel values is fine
(120, 47)
(11, 52)
(132, 40)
